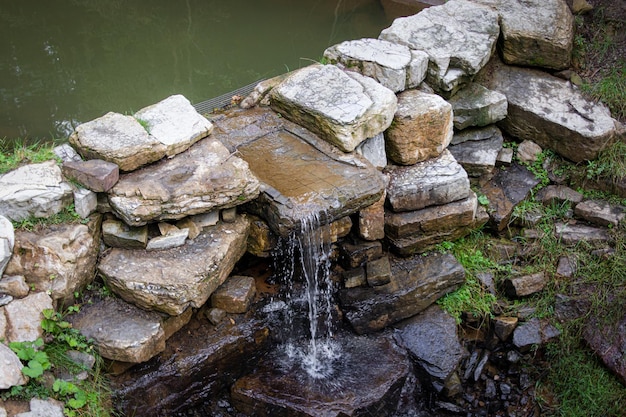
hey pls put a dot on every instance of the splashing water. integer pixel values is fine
(311, 244)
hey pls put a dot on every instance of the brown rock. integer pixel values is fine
(378, 271)
(96, 175)
(372, 220)
(504, 326)
(234, 295)
(525, 285)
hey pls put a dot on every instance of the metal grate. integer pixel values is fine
(224, 100)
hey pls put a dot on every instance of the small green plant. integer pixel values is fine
(144, 123)
(36, 360)
(610, 163)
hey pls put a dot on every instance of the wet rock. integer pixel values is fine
(525, 285)
(505, 190)
(171, 240)
(432, 340)
(118, 139)
(421, 128)
(281, 387)
(372, 220)
(415, 284)
(118, 234)
(416, 231)
(354, 277)
(7, 242)
(373, 149)
(11, 370)
(35, 190)
(342, 108)
(205, 361)
(475, 105)
(504, 326)
(23, 317)
(558, 194)
(204, 178)
(533, 332)
(528, 151)
(85, 202)
(44, 408)
(175, 123)
(608, 341)
(121, 331)
(476, 155)
(174, 279)
(386, 62)
(600, 212)
(59, 259)
(261, 240)
(96, 175)
(434, 182)
(550, 112)
(15, 286)
(360, 252)
(547, 42)
(458, 36)
(235, 295)
(378, 271)
(572, 234)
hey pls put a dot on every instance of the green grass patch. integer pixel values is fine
(66, 215)
(16, 153)
(611, 161)
(611, 90)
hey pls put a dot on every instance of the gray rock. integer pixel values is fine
(528, 151)
(66, 153)
(171, 240)
(383, 61)
(431, 338)
(24, 317)
(558, 194)
(118, 234)
(59, 259)
(7, 242)
(544, 41)
(96, 175)
(175, 123)
(567, 266)
(421, 128)
(525, 285)
(477, 157)
(235, 295)
(459, 38)
(504, 326)
(342, 108)
(475, 105)
(85, 202)
(533, 332)
(174, 279)
(11, 369)
(44, 408)
(373, 149)
(600, 212)
(204, 178)
(433, 182)
(572, 234)
(15, 286)
(121, 331)
(215, 315)
(35, 190)
(505, 157)
(608, 341)
(118, 139)
(416, 283)
(550, 112)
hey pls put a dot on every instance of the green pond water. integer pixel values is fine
(64, 62)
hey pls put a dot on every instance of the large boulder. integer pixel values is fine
(394, 66)
(35, 190)
(172, 280)
(59, 259)
(344, 108)
(458, 36)
(545, 40)
(204, 178)
(550, 112)
(421, 128)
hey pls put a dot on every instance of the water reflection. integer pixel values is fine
(70, 61)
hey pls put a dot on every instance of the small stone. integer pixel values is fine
(505, 157)
(118, 234)
(215, 315)
(85, 202)
(229, 215)
(373, 149)
(378, 272)
(504, 326)
(167, 228)
(24, 317)
(486, 281)
(600, 212)
(476, 105)
(66, 153)
(528, 151)
(207, 219)
(558, 194)
(525, 285)
(14, 286)
(188, 223)
(572, 234)
(96, 175)
(354, 278)
(261, 240)
(83, 359)
(567, 266)
(357, 254)
(7, 242)
(235, 295)
(172, 240)
(533, 332)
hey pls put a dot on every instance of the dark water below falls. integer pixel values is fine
(67, 62)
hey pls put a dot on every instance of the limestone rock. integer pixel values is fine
(383, 61)
(85, 202)
(66, 153)
(505, 190)
(118, 234)
(7, 242)
(416, 283)
(59, 259)
(458, 36)
(600, 212)
(204, 178)
(475, 105)
(373, 149)
(234, 295)
(544, 41)
(477, 150)
(171, 240)
(433, 182)
(431, 338)
(355, 254)
(172, 280)
(175, 123)
(118, 139)
(15, 286)
(503, 327)
(525, 285)
(35, 190)
(121, 331)
(354, 278)
(44, 408)
(421, 128)
(550, 112)
(572, 234)
(342, 108)
(11, 369)
(24, 317)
